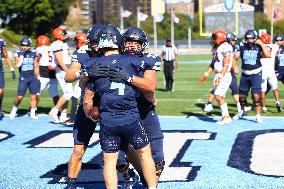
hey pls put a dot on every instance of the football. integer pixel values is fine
(94, 113)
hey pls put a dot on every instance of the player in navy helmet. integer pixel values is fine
(29, 74)
(250, 53)
(119, 115)
(134, 43)
(279, 59)
(3, 53)
(84, 127)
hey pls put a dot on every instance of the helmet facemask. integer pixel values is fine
(133, 47)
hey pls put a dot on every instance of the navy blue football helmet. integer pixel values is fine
(92, 36)
(231, 37)
(110, 37)
(26, 41)
(136, 34)
(251, 34)
(279, 37)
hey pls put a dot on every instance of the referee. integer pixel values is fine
(169, 56)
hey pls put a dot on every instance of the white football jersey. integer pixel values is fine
(47, 56)
(218, 54)
(268, 63)
(61, 46)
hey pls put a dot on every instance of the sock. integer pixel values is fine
(63, 114)
(277, 102)
(14, 109)
(224, 110)
(239, 107)
(55, 110)
(33, 111)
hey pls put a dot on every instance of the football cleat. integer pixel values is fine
(225, 120)
(130, 179)
(12, 115)
(258, 119)
(208, 108)
(33, 116)
(278, 106)
(264, 109)
(53, 116)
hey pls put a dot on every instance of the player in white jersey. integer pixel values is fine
(63, 60)
(81, 41)
(47, 67)
(268, 73)
(222, 60)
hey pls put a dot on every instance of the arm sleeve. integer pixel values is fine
(91, 85)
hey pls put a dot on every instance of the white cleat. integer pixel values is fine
(53, 116)
(237, 116)
(33, 116)
(12, 115)
(247, 108)
(258, 119)
(264, 109)
(208, 108)
(225, 120)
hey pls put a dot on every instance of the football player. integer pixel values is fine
(250, 53)
(63, 60)
(135, 42)
(222, 60)
(119, 115)
(80, 40)
(84, 127)
(47, 67)
(231, 39)
(29, 74)
(3, 53)
(268, 73)
(279, 59)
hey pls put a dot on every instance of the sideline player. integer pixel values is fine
(84, 127)
(268, 73)
(222, 61)
(250, 53)
(119, 115)
(3, 52)
(80, 40)
(28, 79)
(135, 42)
(63, 60)
(231, 39)
(47, 67)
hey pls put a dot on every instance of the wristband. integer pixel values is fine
(206, 74)
(12, 69)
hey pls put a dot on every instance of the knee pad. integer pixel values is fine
(159, 167)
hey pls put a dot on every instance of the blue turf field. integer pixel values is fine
(199, 154)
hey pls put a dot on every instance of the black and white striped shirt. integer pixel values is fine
(169, 53)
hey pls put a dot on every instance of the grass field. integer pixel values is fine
(188, 99)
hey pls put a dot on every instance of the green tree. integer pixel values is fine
(33, 17)
(261, 21)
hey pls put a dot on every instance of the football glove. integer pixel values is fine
(98, 70)
(120, 75)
